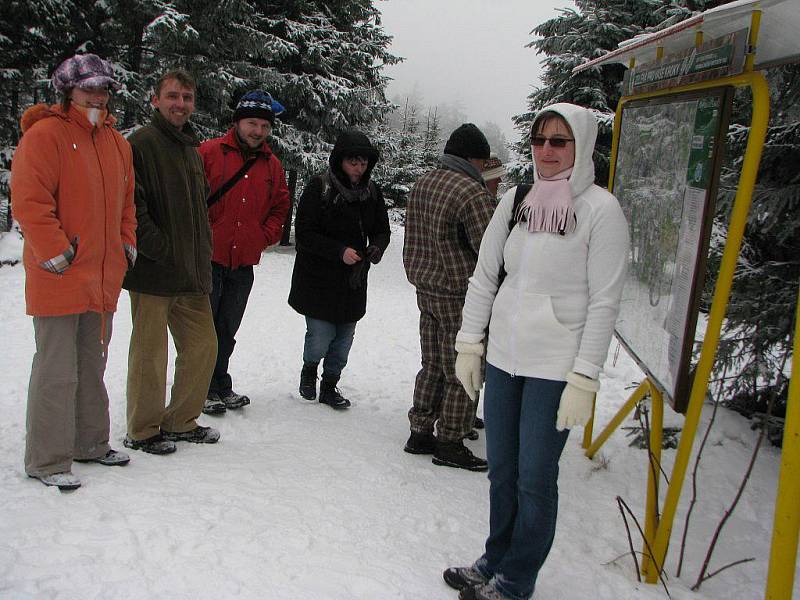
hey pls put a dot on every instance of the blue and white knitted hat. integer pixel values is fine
(258, 104)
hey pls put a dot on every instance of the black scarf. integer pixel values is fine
(359, 193)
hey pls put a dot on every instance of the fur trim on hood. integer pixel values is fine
(37, 112)
(34, 114)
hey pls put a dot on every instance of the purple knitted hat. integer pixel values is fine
(83, 70)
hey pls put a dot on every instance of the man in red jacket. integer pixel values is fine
(247, 207)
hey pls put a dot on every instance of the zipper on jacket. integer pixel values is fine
(105, 247)
(523, 273)
(195, 216)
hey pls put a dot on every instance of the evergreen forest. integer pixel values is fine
(324, 61)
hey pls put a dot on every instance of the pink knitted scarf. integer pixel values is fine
(548, 205)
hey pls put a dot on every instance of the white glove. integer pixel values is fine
(577, 401)
(468, 367)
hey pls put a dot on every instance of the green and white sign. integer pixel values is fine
(719, 57)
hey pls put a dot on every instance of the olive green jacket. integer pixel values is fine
(173, 234)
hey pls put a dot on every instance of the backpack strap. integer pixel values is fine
(519, 196)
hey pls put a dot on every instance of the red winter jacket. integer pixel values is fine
(250, 216)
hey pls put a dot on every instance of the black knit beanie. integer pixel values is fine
(467, 142)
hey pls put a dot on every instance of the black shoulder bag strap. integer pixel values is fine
(519, 196)
(225, 187)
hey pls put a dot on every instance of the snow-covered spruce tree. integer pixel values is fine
(497, 140)
(321, 60)
(143, 38)
(406, 153)
(35, 36)
(575, 36)
(756, 341)
(432, 139)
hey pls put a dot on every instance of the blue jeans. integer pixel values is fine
(523, 448)
(329, 341)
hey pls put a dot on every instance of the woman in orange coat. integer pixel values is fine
(72, 193)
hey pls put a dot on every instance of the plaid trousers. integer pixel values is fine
(438, 395)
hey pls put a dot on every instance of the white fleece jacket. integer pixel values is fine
(556, 308)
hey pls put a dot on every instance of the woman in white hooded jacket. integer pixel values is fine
(549, 321)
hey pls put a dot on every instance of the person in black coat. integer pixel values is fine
(341, 228)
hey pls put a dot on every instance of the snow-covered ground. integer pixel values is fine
(298, 502)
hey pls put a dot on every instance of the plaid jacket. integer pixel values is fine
(446, 216)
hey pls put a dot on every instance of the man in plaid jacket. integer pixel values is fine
(447, 213)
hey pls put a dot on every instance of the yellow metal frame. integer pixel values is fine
(786, 527)
(658, 528)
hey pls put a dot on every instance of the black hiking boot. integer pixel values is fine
(460, 578)
(232, 400)
(420, 443)
(156, 444)
(214, 404)
(328, 394)
(456, 454)
(198, 435)
(308, 381)
(485, 591)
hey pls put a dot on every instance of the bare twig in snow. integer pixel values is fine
(630, 540)
(696, 586)
(693, 501)
(702, 576)
(651, 554)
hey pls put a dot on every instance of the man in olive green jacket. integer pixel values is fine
(171, 281)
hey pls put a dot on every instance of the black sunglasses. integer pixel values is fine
(555, 142)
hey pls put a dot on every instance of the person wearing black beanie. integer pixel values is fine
(447, 213)
(467, 142)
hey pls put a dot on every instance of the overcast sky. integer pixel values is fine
(470, 51)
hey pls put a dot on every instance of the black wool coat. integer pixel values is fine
(323, 286)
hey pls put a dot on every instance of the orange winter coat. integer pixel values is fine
(72, 184)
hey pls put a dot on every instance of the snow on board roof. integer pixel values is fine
(778, 41)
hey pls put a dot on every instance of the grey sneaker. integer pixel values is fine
(198, 435)
(214, 405)
(112, 458)
(64, 481)
(460, 578)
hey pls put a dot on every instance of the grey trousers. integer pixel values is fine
(67, 399)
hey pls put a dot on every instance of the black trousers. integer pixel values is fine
(231, 289)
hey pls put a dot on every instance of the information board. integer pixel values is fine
(666, 176)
